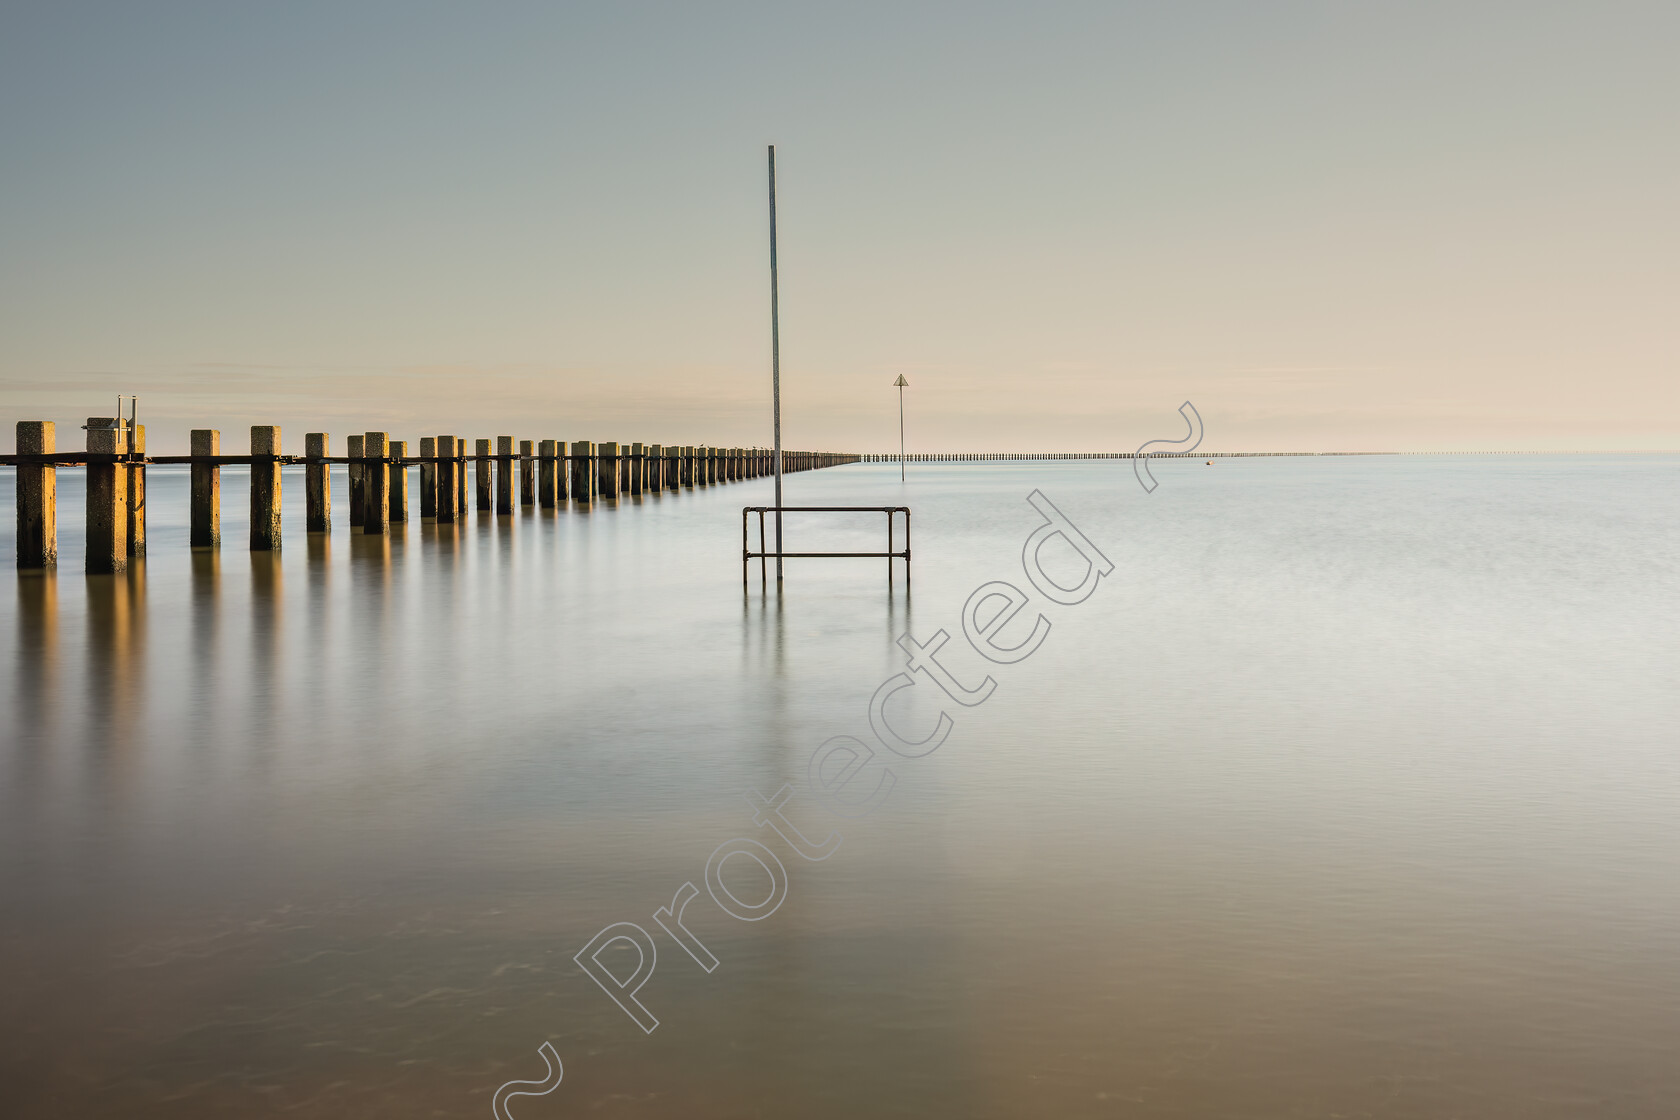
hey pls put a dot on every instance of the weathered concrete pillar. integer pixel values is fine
(206, 530)
(428, 478)
(562, 472)
(463, 492)
(504, 474)
(399, 481)
(606, 459)
(358, 480)
(583, 472)
(107, 497)
(481, 470)
(527, 473)
(137, 492)
(638, 467)
(655, 468)
(265, 488)
(376, 484)
(317, 483)
(37, 497)
(624, 464)
(547, 468)
(668, 471)
(448, 480)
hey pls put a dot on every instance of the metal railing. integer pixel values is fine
(763, 553)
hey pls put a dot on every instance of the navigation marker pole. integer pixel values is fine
(775, 365)
(901, 383)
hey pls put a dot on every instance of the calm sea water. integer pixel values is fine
(1353, 791)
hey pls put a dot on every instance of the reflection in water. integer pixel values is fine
(37, 652)
(267, 688)
(114, 635)
(1284, 814)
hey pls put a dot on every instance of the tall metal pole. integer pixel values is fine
(901, 432)
(775, 364)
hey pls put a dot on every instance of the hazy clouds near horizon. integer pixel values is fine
(1329, 225)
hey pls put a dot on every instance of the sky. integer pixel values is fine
(1331, 226)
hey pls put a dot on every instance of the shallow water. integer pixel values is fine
(1351, 791)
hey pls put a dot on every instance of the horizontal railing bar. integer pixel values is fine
(900, 555)
(825, 509)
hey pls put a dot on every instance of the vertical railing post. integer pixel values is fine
(317, 483)
(206, 528)
(37, 497)
(265, 488)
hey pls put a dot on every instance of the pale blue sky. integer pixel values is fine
(1330, 225)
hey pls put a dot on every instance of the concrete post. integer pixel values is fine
(504, 474)
(655, 468)
(607, 470)
(428, 479)
(376, 484)
(463, 492)
(583, 472)
(137, 492)
(37, 497)
(358, 480)
(317, 483)
(546, 470)
(527, 473)
(107, 497)
(399, 481)
(481, 469)
(206, 531)
(638, 466)
(562, 472)
(448, 481)
(265, 488)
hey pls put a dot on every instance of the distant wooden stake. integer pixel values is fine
(527, 473)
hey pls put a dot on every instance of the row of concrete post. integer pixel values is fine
(549, 472)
